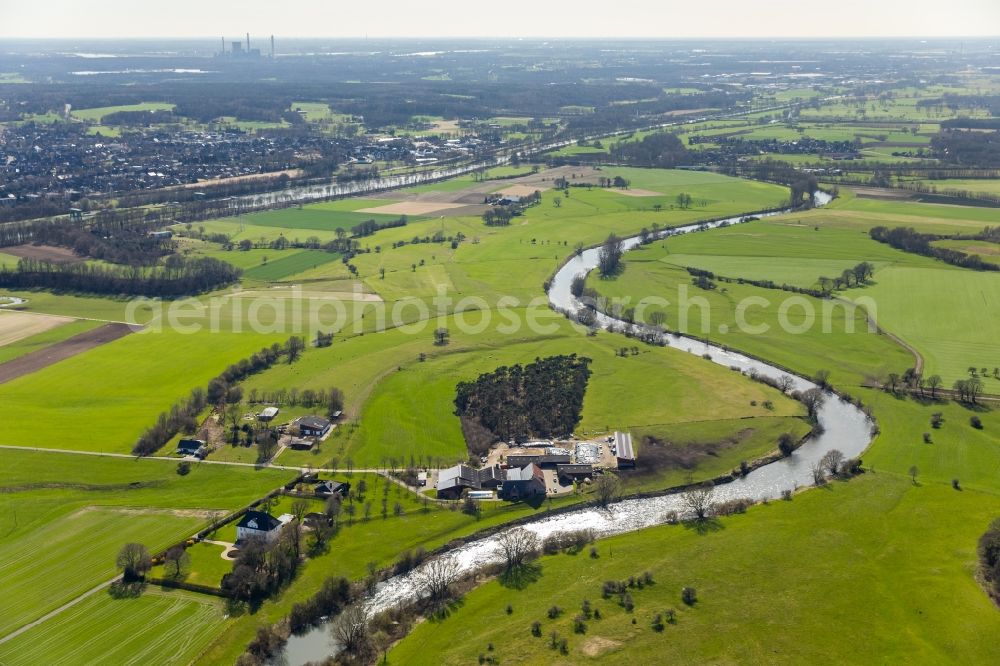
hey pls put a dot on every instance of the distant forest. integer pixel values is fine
(540, 399)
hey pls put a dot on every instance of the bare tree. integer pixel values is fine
(134, 560)
(177, 558)
(517, 546)
(437, 576)
(818, 474)
(832, 461)
(350, 629)
(699, 500)
(609, 488)
(785, 383)
(813, 400)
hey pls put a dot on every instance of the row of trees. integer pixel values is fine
(540, 399)
(222, 390)
(909, 239)
(177, 276)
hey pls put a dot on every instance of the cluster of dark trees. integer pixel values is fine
(967, 147)
(908, 239)
(332, 597)
(369, 227)
(113, 239)
(140, 118)
(803, 185)
(177, 276)
(737, 145)
(989, 558)
(540, 399)
(261, 568)
(663, 150)
(500, 216)
(609, 258)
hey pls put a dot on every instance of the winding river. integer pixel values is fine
(844, 427)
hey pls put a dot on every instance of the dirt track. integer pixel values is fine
(25, 365)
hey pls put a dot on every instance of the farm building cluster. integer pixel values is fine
(513, 472)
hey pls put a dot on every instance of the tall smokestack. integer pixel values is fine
(223, 45)
(248, 42)
(272, 47)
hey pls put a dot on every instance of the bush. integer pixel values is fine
(733, 506)
(536, 629)
(976, 422)
(554, 612)
(689, 596)
(184, 468)
(658, 625)
(579, 625)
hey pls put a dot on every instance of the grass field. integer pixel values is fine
(877, 557)
(286, 265)
(410, 412)
(110, 394)
(97, 114)
(160, 627)
(947, 314)
(66, 516)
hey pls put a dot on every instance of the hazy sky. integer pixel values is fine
(506, 18)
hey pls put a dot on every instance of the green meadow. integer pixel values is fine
(67, 515)
(877, 558)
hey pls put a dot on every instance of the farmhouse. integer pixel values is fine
(523, 482)
(623, 450)
(313, 426)
(258, 525)
(452, 481)
(329, 488)
(192, 447)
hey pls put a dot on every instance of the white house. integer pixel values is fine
(258, 525)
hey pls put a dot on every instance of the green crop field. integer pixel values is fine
(97, 114)
(108, 395)
(160, 627)
(285, 266)
(67, 515)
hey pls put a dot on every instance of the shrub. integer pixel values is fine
(593, 553)
(554, 612)
(536, 629)
(579, 625)
(786, 495)
(927, 438)
(733, 506)
(658, 623)
(955, 484)
(183, 468)
(976, 422)
(689, 596)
